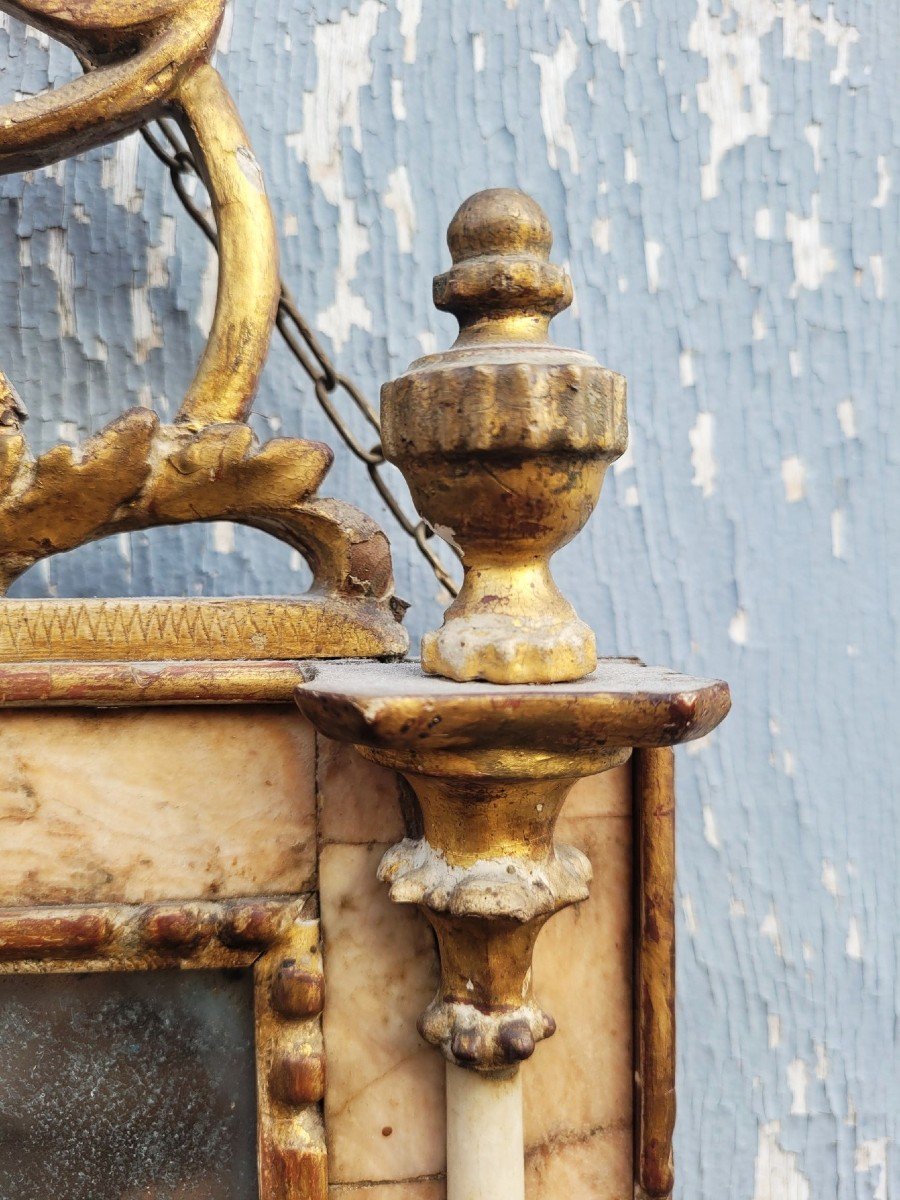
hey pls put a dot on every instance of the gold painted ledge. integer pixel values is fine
(563, 729)
(491, 766)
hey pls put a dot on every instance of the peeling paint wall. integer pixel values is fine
(723, 179)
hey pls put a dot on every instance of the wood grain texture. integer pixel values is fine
(723, 181)
(654, 973)
(129, 806)
(130, 684)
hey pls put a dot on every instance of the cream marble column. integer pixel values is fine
(485, 1138)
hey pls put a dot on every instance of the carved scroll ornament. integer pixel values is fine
(143, 61)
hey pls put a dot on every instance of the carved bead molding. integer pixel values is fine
(277, 938)
(144, 61)
(491, 767)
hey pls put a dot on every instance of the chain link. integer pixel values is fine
(171, 150)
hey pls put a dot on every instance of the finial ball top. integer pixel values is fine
(499, 221)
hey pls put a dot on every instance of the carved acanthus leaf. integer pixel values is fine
(137, 473)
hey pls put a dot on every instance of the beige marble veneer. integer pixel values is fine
(136, 805)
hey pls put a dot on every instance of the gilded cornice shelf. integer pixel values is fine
(491, 766)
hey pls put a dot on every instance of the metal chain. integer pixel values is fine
(327, 381)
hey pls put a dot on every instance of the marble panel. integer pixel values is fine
(134, 805)
(419, 1189)
(604, 795)
(581, 1078)
(358, 800)
(384, 1105)
(591, 1165)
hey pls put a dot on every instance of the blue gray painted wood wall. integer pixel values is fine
(723, 180)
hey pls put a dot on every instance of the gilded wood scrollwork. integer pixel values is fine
(143, 61)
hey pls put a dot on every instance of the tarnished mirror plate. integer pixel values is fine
(128, 1085)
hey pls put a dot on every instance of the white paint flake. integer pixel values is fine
(813, 259)
(146, 331)
(62, 268)
(797, 1081)
(223, 537)
(479, 52)
(838, 533)
(758, 326)
(344, 67)
(600, 234)
(632, 497)
(632, 173)
(822, 1063)
(737, 628)
(710, 832)
(690, 918)
(702, 458)
(884, 182)
(56, 171)
(610, 28)
(398, 100)
(410, 17)
(762, 224)
(777, 1176)
(159, 254)
(734, 95)
(842, 37)
(769, 928)
(846, 415)
(876, 265)
(686, 371)
(813, 134)
(118, 173)
(652, 255)
(774, 1026)
(853, 944)
(871, 1155)
(793, 478)
(399, 200)
(556, 70)
(38, 35)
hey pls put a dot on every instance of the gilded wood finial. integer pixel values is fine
(504, 440)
